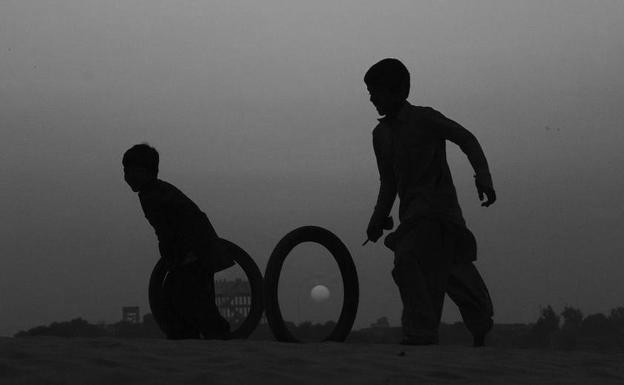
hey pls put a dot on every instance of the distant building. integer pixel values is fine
(233, 298)
(381, 323)
(130, 314)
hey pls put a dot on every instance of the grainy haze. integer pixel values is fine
(260, 115)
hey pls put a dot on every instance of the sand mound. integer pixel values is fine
(50, 360)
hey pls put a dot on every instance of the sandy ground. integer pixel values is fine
(50, 360)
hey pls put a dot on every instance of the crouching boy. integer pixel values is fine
(188, 244)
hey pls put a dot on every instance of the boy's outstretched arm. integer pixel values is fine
(387, 190)
(469, 144)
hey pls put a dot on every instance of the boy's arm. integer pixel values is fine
(156, 215)
(469, 144)
(193, 227)
(387, 189)
(199, 238)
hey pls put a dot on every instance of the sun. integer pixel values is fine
(319, 293)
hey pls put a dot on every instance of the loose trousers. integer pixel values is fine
(425, 269)
(191, 300)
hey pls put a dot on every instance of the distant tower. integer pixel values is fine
(130, 314)
(233, 298)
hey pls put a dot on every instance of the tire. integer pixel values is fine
(347, 270)
(254, 276)
(156, 295)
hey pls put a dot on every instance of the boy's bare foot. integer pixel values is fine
(478, 339)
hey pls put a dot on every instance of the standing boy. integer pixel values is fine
(187, 242)
(433, 248)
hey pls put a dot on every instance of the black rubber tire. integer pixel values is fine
(156, 294)
(254, 276)
(347, 270)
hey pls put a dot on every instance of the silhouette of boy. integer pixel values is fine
(433, 248)
(187, 242)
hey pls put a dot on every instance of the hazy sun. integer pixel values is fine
(319, 293)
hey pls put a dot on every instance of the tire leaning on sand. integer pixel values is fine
(254, 276)
(347, 270)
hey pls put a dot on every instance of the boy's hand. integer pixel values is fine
(375, 229)
(374, 232)
(486, 192)
(485, 188)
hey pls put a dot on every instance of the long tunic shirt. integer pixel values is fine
(411, 157)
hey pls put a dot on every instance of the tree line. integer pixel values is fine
(79, 327)
(571, 329)
(567, 330)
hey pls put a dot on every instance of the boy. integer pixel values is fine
(186, 241)
(433, 249)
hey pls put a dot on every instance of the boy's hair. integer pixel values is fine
(389, 73)
(142, 155)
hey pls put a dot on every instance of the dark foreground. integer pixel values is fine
(53, 360)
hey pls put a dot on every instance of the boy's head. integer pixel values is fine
(388, 83)
(140, 165)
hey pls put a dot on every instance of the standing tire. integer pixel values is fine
(347, 270)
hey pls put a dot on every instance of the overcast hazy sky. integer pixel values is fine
(260, 115)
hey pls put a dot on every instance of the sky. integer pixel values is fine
(260, 116)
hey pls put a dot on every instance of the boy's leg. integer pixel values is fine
(194, 302)
(467, 289)
(212, 325)
(422, 265)
(181, 326)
